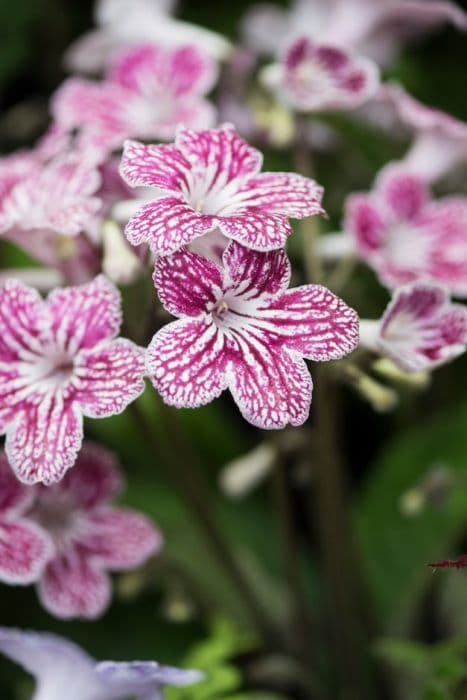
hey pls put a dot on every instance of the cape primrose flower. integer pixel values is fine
(63, 670)
(314, 77)
(407, 237)
(420, 329)
(24, 547)
(211, 179)
(89, 536)
(239, 328)
(59, 360)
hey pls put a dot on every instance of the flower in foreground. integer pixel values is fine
(24, 547)
(89, 536)
(211, 179)
(147, 91)
(60, 360)
(316, 77)
(420, 329)
(240, 328)
(63, 670)
(405, 236)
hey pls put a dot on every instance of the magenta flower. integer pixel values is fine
(316, 77)
(420, 329)
(148, 90)
(89, 536)
(239, 328)
(62, 670)
(211, 179)
(59, 360)
(126, 23)
(440, 141)
(407, 237)
(375, 29)
(24, 547)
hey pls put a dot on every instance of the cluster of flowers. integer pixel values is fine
(214, 226)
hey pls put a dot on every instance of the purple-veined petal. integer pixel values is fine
(15, 497)
(186, 282)
(271, 387)
(153, 166)
(72, 587)
(43, 441)
(229, 156)
(287, 194)
(365, 223)
(256, 229)
(256, 273)
(145, 675)
(23, 315)
(110, 377)
(86, 314)
(315, 322)
(25, 549)
(186, 364)
(167, 224)
(120, 539)
(403, 193)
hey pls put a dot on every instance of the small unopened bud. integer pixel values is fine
(386, 368)
(242, 475)
(66, 247)
(119, 262)
(382, 398)
(412, 502)
(275, 120)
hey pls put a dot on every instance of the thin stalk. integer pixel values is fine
(185, 475)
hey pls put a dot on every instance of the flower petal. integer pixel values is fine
(85, 314)
(186, 364)
(256, 229)
(221, 150)
(120, 539)
(153, 166)
(186, 282)
(110, 377)
(365, 223)
(315, 322)
(167, 224)
(145, 675)
(72, 586)
(288, 194)
(254, 272)
(25, 549)
(15, 497)
(405, 194)
(271, 388)
(95, 479)
(23, 315)
(42, 443)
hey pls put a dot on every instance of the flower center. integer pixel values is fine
(53, 370)
(57, 514)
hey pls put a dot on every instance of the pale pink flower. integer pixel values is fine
(406, 236)
(89, 535)
(59, 360)
(125, 23)
(211, 179)
(315, 77)
(24, 547)
(420, 329)
(440, 140)
(375, 29)
(62, 670)
(240, 328)
(148, 90)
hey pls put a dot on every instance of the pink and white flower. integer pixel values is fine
(240, 328)
(125, 23)
(405, 236)
(420, 329)
(375, 29)
(89, 535)
(60, 360)
(24, 547)
(315, 77)
(147, 91)
(53, 661)
(208, 180)
(440, 141)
